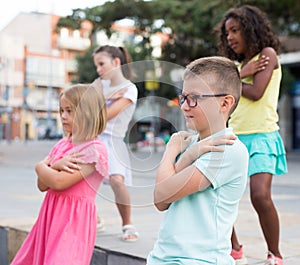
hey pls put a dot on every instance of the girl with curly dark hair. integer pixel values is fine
(246, 36)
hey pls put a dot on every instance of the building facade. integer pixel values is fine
(37, 61)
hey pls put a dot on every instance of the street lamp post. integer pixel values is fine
(25, 106)
(49, 96)
(151, 84)
(8, 108)
(8, 124)
(49, 111)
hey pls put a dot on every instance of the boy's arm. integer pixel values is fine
(201, 147)
(174, 182)
(171, 186)
(176, 145)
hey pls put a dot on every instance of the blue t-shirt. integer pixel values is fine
(197, 228)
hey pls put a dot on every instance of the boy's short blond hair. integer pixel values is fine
(220, 74)
(90, 110)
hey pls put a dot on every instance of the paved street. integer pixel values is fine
(20, 201)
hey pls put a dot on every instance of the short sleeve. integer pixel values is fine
(131, 93)
(212, 166)
(222, 167)
(95, 152)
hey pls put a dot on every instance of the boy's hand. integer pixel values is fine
(204, 146)
(179, 141)
(213, 144)
(68, 163)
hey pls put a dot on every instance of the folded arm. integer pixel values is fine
(202, 147)
(55, 179)
(171, 186)
(175, 181)
(261, 78)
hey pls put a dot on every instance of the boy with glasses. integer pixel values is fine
(201, 190)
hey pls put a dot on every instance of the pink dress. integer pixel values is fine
(65, 231)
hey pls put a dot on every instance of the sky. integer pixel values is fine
(58, 7)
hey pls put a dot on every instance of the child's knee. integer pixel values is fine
(116, 181)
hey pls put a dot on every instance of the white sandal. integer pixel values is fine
(129, 233)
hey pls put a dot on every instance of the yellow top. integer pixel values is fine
(258, 116)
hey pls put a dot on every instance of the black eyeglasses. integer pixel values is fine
(191, 99)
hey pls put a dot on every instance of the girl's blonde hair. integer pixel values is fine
(90, 110)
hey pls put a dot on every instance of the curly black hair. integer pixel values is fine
(255, 28)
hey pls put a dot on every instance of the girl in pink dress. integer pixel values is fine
(65, 230)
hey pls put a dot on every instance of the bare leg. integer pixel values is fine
(122, 198)
(234, 241)
(260, 192)
(236, 250)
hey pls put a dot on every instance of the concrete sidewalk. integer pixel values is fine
(147, 219)
(20, 202)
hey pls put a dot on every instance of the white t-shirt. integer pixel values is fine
(118, 125)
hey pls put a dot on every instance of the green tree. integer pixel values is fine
(190, 24)
(86, 72)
